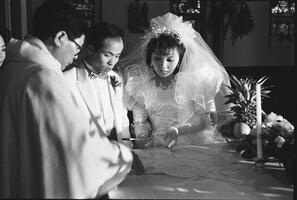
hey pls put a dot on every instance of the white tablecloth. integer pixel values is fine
(225, 176)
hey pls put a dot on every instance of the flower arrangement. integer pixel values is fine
(115, 82)
(277, 142)
(277, 132)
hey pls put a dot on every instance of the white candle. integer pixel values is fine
(259, 121)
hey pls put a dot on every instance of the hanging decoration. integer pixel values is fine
(236, 16)
(138, 16)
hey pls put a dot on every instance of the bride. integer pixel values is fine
(173, 83)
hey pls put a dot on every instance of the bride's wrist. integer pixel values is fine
(184, 129)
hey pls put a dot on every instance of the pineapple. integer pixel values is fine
(242, 97)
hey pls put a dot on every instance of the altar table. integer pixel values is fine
(246, 183)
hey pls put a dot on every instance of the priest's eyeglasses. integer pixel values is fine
(80, 48)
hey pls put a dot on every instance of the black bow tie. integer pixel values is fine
(91, 74)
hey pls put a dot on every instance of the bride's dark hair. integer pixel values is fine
(162, 43)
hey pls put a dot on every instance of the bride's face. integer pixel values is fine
(165, 62)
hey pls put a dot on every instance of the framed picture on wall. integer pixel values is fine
(282, 24)
(191, 10)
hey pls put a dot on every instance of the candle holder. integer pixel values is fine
(259, 165)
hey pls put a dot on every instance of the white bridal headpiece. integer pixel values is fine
(201, 74)
(172, 25)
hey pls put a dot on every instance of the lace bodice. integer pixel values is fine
(161, 109)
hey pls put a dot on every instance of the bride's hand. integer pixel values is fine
(171, 137)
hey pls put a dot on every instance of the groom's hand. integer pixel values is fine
(113, 135)
(137, 165)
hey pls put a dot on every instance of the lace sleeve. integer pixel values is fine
(140, 116)
(136, 78)
(142, 127)
(136, 85)
(199, 91)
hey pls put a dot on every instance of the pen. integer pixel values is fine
(132, 139)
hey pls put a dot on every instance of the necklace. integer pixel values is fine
(164, 83)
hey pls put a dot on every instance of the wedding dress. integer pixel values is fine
(190, 98)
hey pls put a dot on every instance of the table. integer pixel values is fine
(244, 183)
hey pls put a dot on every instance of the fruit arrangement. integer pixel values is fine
(242, 98)
(277, 133)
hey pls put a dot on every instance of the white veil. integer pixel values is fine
(201, 75)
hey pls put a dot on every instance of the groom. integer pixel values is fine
(98, 86)
(99, 92)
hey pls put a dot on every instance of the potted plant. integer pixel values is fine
(242, 98)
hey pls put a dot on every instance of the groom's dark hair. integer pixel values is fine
(101, 31)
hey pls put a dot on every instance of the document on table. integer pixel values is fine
(194, 162)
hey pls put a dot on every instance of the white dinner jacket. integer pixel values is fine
(86, 98)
